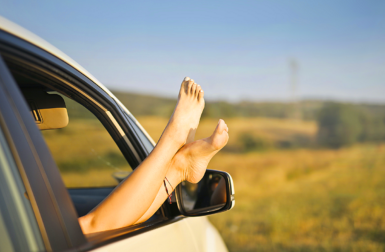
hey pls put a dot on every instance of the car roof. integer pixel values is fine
(18, 31)
(32, 38)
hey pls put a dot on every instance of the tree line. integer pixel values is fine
(339, 124)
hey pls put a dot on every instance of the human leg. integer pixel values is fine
(121, 207)
(190, 164)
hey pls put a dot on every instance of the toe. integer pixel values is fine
(193, 89)
(198, 90)
(219, 126)
(200, 95)
(218, 139)
(189, 86)
(186, 79)
(222, 126)
(183, 87)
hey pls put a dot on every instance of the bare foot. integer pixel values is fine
(192, 160)
(200, 93)
(185, 118)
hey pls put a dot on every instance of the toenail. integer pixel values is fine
(192, 80)
(186, 78)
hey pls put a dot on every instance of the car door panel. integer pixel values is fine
(205, 235)
(37, 167)
(172, 237)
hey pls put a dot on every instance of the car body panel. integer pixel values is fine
(205, 234)
(201, 237)
(167, 238)
(26, 35)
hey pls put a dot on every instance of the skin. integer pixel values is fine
(176, 156)
(190, 164)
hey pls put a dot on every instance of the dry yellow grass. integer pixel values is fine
(301, 200)
(286, 200)
(91, 178)
(86, 154)
(269, 128)
(80, 139)
(298, 199)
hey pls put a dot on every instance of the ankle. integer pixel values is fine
(168, 141)
(175, 175)
(179, 165)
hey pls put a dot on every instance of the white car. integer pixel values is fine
(65, 142)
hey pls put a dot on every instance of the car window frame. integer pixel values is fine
(17, 218)
(11, 46)
(102, 113)
(88, 93)
(30, 165)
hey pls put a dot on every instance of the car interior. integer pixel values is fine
(50, 113)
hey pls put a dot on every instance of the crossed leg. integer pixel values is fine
(167, 158)
(190, 164)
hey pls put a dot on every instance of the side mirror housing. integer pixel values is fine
(213, 194)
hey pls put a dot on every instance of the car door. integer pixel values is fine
(31, 164)
(54, 209)
(19, 229)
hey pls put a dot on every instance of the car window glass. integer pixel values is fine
(84, 151)
(18, 227)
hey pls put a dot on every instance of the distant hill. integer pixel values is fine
(142, 105)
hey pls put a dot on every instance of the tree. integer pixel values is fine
(338, 125)
(373, 128)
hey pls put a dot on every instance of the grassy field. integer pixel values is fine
(297, 199)
(288, 198)
(300, 200)
(268, 130)
(86, 154)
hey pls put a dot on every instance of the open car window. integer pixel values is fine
(84, 151)
(59, 205)
(87, 153)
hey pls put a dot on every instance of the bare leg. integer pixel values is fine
(196, 156)
(190, 164)
(132, 198)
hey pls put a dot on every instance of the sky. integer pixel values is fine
(236, 50)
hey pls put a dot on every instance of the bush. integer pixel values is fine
(373, 128)
(338, 125)
(253, 143)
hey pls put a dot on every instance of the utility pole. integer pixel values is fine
(295, 105)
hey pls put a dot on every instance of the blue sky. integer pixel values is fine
(235, 50)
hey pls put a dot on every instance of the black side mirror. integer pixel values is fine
(213, 194)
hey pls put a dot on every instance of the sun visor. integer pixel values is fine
(48, 110)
